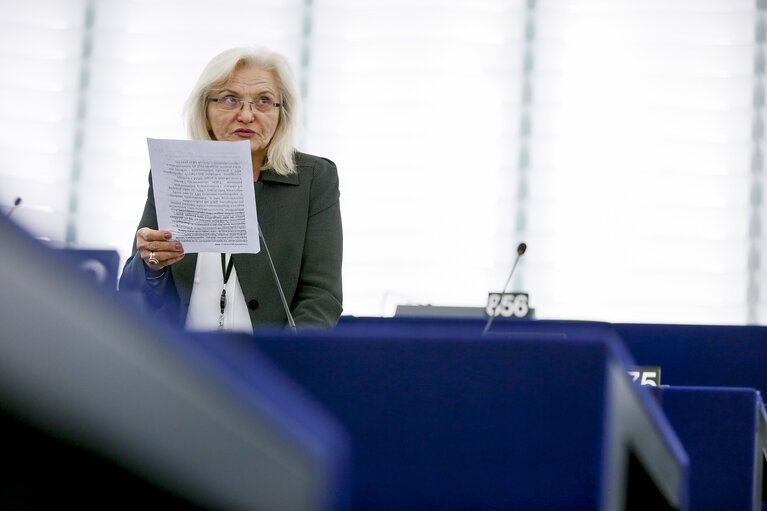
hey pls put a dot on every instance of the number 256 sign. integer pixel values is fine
(508, 305)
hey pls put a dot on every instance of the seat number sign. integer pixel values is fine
(645, 375)
(508, 305)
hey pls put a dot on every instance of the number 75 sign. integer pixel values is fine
(645, 375)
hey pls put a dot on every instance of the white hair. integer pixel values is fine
(280, 151)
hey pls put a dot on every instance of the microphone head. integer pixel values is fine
(17, 201)
(521, 248)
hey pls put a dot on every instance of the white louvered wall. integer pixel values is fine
(623, 140)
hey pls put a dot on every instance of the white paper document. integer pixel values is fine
(204, 195)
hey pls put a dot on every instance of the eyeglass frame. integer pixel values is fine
(263, 101)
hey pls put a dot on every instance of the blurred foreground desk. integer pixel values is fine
(103, 407)
(542, 416)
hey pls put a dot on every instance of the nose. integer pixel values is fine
(246, 113)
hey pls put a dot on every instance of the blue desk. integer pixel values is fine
(543, 417)
(715, 356)
(723, 431)
(703, 355)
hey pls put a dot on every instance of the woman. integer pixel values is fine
(250, 94)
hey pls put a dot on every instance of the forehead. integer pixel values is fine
(251, 78)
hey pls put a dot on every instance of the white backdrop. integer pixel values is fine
(622, 140)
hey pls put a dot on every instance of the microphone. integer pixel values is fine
(291, 323)
(13, 208)
(521, 248)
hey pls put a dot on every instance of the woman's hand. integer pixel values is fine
(156, 250)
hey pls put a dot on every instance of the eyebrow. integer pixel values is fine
(235, 93)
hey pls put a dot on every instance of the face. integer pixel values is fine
(247, 123)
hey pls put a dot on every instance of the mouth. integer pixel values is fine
(244, 133)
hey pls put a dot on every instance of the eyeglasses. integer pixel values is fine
(231, 103)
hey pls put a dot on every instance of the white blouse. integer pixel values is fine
(204, 305)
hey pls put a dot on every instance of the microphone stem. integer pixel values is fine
(514, 266)
(291, 322)
(495, 309)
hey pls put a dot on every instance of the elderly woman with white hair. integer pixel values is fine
(250, 94)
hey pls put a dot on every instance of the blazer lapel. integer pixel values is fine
(183, 277)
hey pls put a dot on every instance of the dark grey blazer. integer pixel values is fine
(300, 218)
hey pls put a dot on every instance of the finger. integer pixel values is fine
(161, 246)
(173, 260)
(175, 253)
(148, 234)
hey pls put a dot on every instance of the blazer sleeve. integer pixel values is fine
(159, 294)
(318, 299)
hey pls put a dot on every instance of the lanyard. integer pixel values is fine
(226, 271)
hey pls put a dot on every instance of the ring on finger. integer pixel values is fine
(153, 258)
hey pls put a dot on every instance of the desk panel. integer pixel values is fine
(441, 418)
(722, 430)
